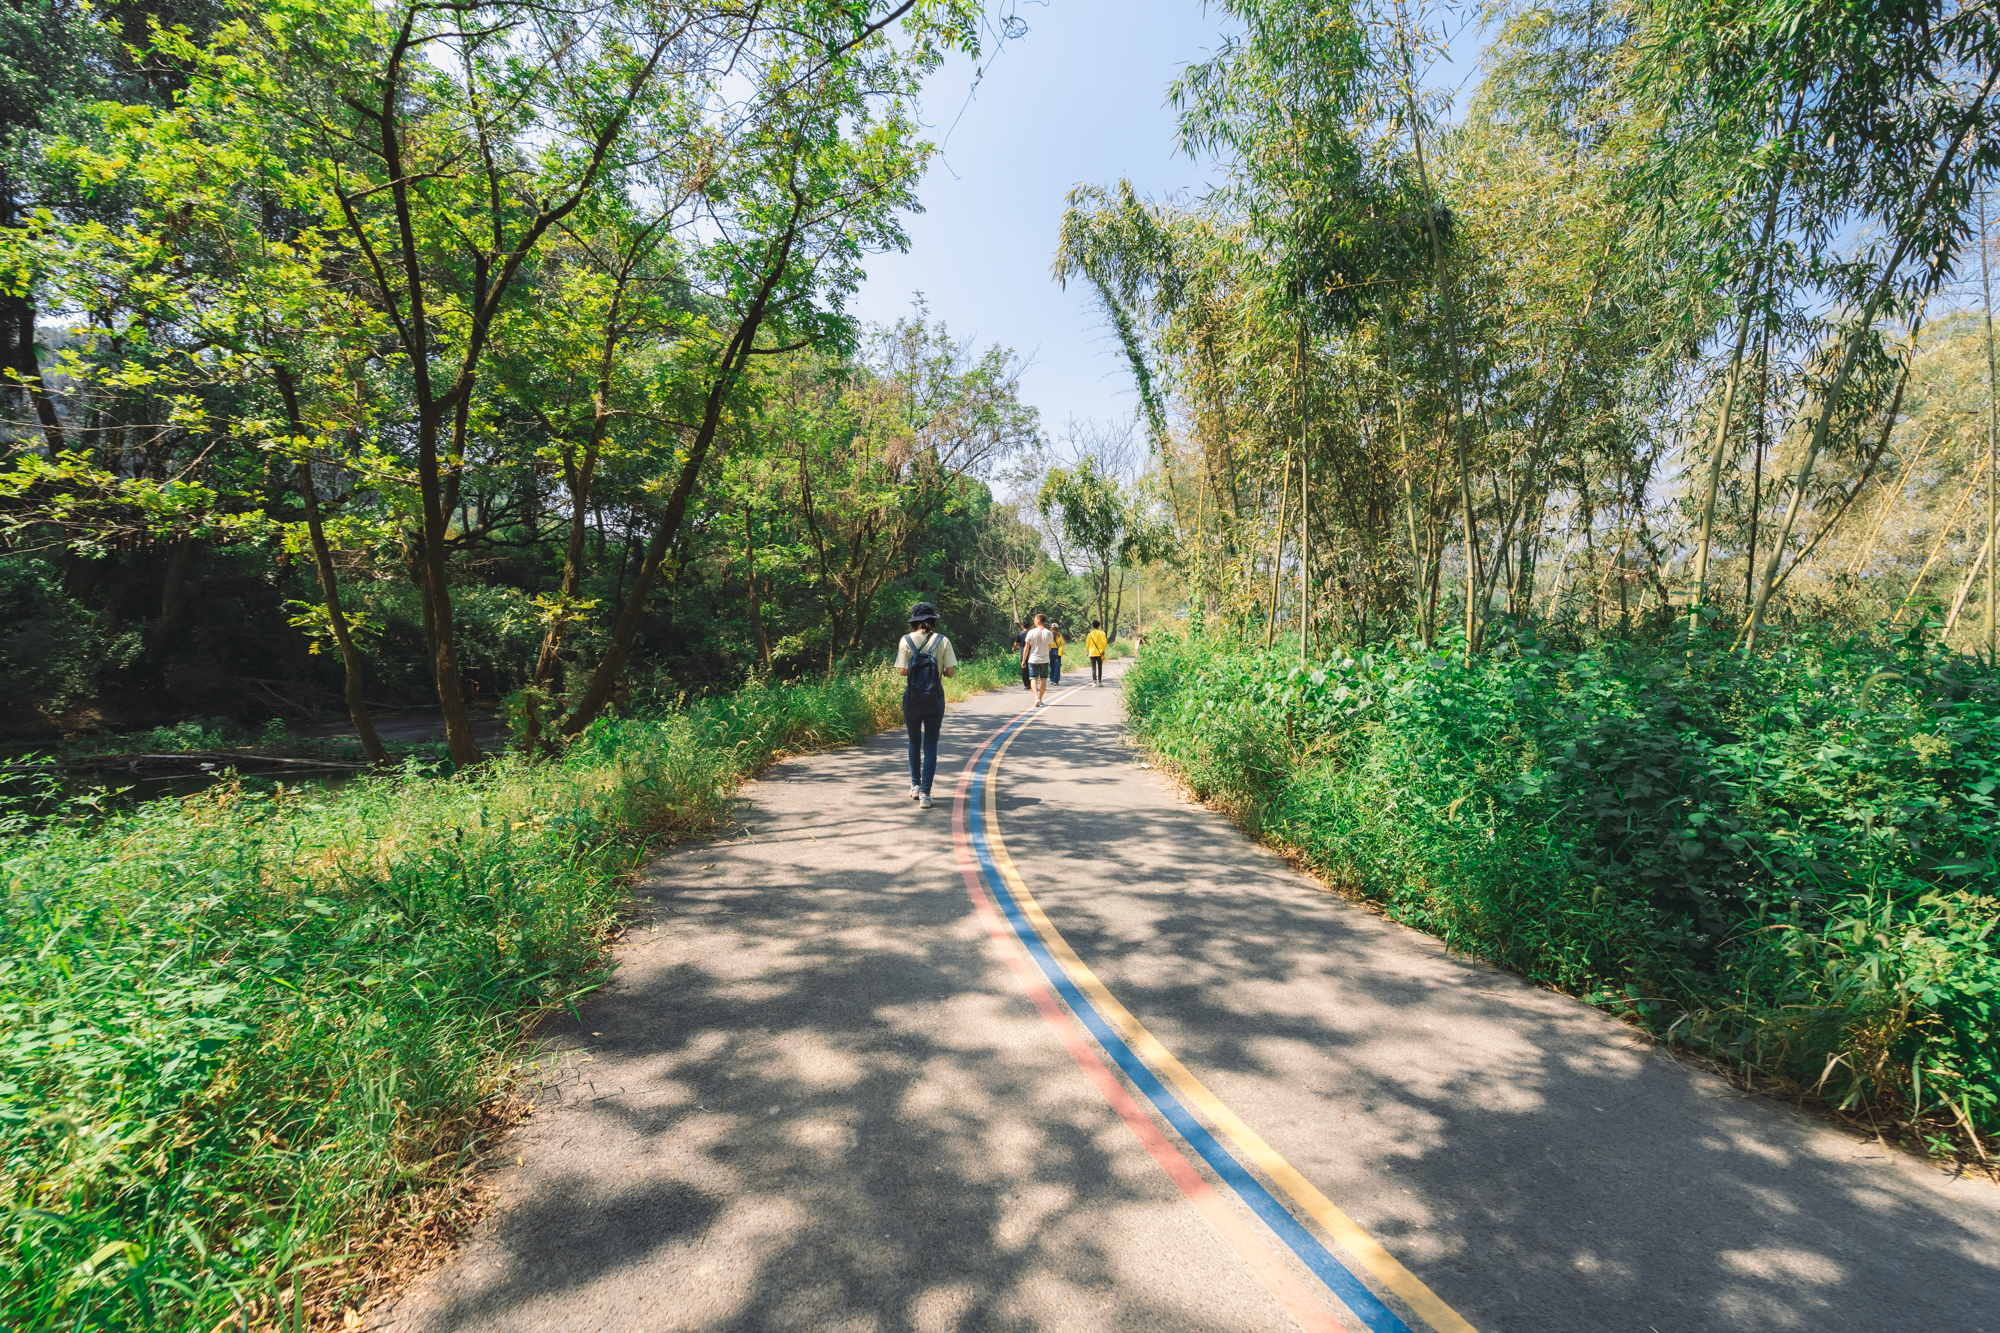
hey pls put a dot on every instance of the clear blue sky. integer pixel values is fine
(1081, 98)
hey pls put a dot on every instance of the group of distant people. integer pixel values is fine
(925, 659)
(1041, 645)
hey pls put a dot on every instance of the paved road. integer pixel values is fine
(848, 1079)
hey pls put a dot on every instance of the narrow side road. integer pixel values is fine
(1068, 1053)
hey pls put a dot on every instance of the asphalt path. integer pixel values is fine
(1070, 1053)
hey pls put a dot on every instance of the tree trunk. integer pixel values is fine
(734, 358)
(350, 657)
(578, 480)
(17, 325)
(756, 602)
(444, 646)
(174, 596)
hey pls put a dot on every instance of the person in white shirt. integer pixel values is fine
(1041, 642)
(923, 659)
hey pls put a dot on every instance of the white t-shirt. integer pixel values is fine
(1040, 640)
(939, 645)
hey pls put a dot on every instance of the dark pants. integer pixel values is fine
(1097, 669)
(1026, 683)
(1055, 667)
(923, 743)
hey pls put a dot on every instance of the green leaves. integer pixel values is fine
(1782, 859)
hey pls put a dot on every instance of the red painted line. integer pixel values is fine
(1297, 1299)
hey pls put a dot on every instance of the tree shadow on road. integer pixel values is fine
(813, 1098)
(1537, 1163)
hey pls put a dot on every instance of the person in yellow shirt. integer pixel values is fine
(1094, 643)
(1055, 655)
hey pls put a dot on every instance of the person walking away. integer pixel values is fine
(1021, 647)
(1055, 655)
(1094, 644)
(924, 659)
(1040, 640)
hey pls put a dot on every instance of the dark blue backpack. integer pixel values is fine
(923, 688)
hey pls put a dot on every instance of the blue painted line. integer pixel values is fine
(1337, 1276)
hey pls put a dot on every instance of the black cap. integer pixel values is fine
(922, 611)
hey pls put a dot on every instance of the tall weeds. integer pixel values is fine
(240, 1031)
(1787, 861)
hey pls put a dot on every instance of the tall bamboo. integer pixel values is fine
(1944, 534)
(1305, 551)
(1722, 426)
(1700, 589)
(1850, 354)
(1866, 551)
(1992, 451)
(1473, 580)
(1278, 553)
(1409, 499)
(1965, 589)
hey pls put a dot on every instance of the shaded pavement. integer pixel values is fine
(816, 1097)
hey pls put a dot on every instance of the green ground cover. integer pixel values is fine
(1787, 861)
(239, 1032)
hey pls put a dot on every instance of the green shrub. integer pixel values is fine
(1786, 860)
(235, 1029)
(51, 649)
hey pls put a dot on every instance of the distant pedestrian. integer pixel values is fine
(1055, 655)
(1040, 640)
(1021, 650)
(1094, 643)
(924, 658)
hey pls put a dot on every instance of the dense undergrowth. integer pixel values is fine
(240, 1031)
(1786, 861)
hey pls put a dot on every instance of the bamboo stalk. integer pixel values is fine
(1278, 553)
(1888, 426)
(1965, 588)
(1729, 396)
(1723, 415)
(1830, 397)
(1944, 534)
(1992, 452)
(1473, 581)
(1867, 550)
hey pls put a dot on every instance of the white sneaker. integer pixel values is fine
(923, 800)
(916, 792)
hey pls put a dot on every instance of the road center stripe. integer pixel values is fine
(1297, 1299)
(1136, 1051)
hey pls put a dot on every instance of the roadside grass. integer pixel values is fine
(246, 1033)
(1787, 863)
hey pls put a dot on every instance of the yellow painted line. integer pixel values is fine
(1315, 1205)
